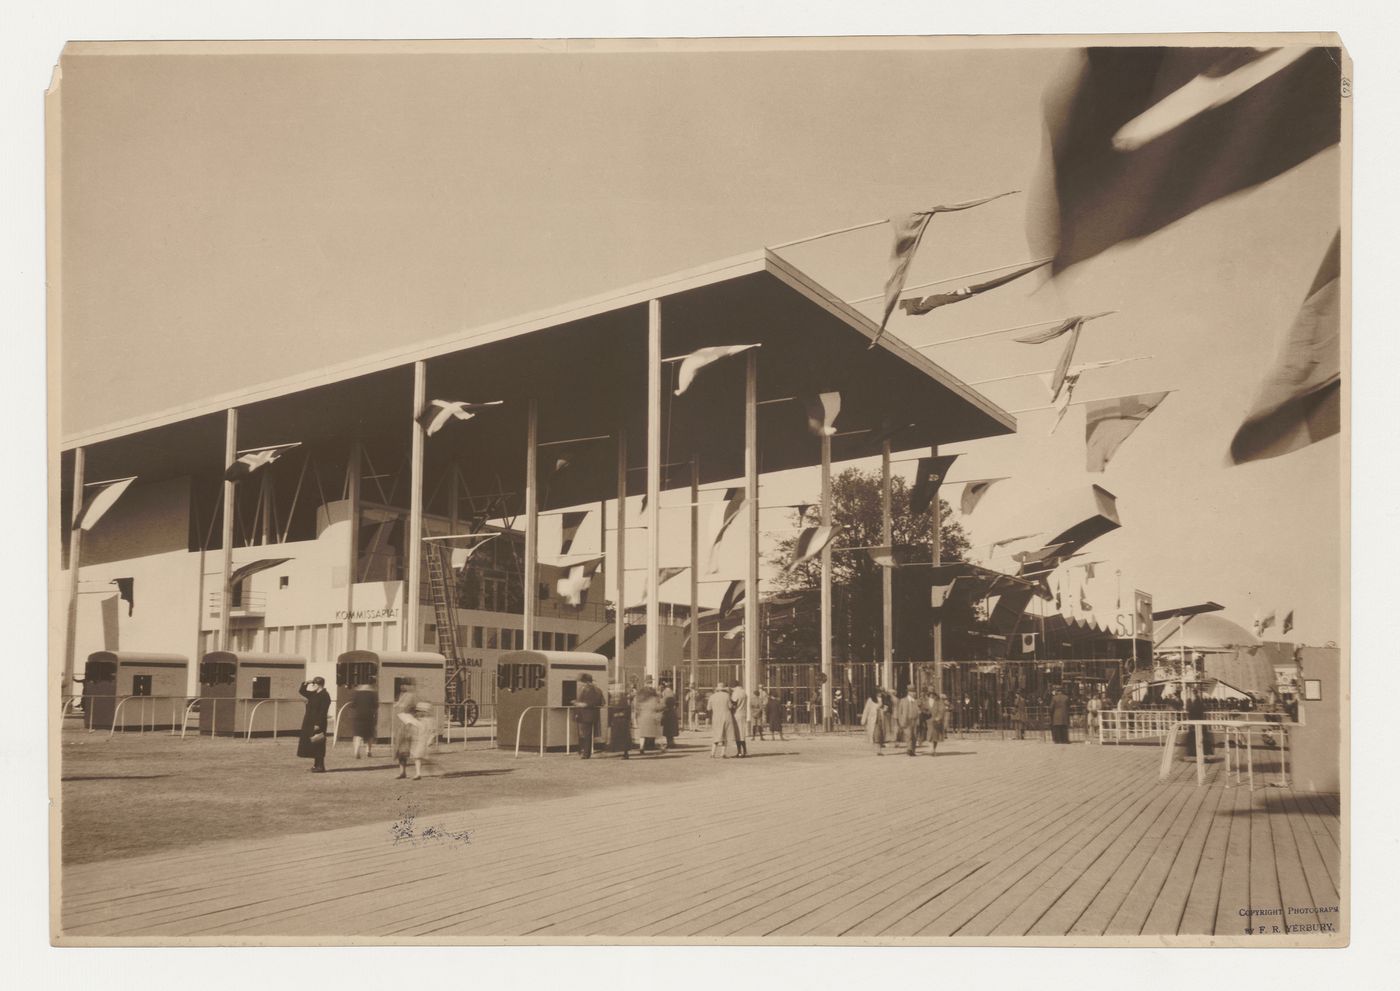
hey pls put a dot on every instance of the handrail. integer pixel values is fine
(252, 714)
(1230, 728)
(544, 726)
(185, 720)
(123, 700)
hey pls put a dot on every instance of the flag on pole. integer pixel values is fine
(939, 593)
(995, 545)
(1300, 399)
(733, 595)
(97, 500)
(733, 502)
(810, 543)
(927, 480)
(663, 575)
(1040, 556)
(254, 460)
(1109, 422)
(916, 307)
(1287, 622)
(573, 585)
(1262, 623)
(973, 491)
(1154, 133)
(692, 363)
(1084, 604)
(1059, 330)
(908, 232)
(887, 556)
(570, 524)
(439, 412)
(822, 411)
(126, 592)
(461, 555)
(1062, 368)
(1028, 643)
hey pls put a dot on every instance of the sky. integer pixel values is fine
(233, 220)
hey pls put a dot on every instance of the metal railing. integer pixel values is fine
(1232, 733)
(1118, 725)
(174, 700)
(544, 726)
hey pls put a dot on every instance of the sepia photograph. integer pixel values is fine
(547, 491)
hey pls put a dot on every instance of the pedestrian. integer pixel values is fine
(722, 721)
(646, 712)
(887, 715)
(312, 742)
(872, 717)
(1059, 715)
(620, 722)
(739, 699)
(1091, 718)
(906, 717)
(1196, 709)
(774, 714)
(937, 721)
(1019, 716)
(406, 728)
(670, 714)
(587, 701)
(760, 710)
(364, 718)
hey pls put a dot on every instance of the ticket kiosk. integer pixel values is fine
(530, 678)
(388, 673)
(111, 676)
(237, 687)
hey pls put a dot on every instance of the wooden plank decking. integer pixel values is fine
(994, 839)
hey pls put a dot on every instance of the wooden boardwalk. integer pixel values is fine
(994, 839)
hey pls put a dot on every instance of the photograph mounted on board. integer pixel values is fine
(428, 419)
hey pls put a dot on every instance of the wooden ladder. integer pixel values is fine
(444, 611)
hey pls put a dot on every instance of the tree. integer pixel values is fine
(855, 507)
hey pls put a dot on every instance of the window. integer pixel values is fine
(544, 591)
(430, 634)
(476, 636)
(262, 687)
(519, 639)
(284, 582)
(141, 685)
(508, 641)
(491, 638)
(570, 641)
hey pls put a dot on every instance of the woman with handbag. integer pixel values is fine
(312, 742)
(407, 732)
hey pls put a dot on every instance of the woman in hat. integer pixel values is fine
(312, 742)
(407, 730)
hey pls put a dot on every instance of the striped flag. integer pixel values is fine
(733, 595)
(973, 491)
(254, 460)
(439, 412)
(916, 307)
(99, 499)
(734, 501)
(810, 543)
(570, 525)
(693, 363)
(908, 232)
(1299, 401)
(1109, 422)
(927, 481)
(822, 411)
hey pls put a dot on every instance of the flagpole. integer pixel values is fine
(887, 574)
(751, 492)
(409, 632)
(818, 237)
(620, 581)
(937, 556)
(530, 598)
(353, 471)
(653, 619)
(230, 505)
(826, 618)
(694, 576)
(75, 553)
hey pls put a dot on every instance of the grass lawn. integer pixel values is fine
(138, 793)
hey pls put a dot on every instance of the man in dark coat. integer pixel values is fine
(586, 705)
(1059, 716)
(313, 725)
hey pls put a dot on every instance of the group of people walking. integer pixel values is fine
(732, 717)
(411, 736)
(909, 719)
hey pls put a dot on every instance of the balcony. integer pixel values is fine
(249, 605)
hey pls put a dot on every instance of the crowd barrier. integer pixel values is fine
(1232, 735)
(544, 726)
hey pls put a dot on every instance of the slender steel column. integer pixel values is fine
(653, 490)
(411, 629)
(620, 579)
(694, 576)
(751, 606)
(75, 554)
(532, 521)
(230, 505)
(826, 635)
(887, 574)
(352, 567)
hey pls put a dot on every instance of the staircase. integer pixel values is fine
(602, 641)
(444, 597)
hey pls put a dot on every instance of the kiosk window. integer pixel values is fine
(402, 685)
(570, 692)
(141, 685)
(262, 687)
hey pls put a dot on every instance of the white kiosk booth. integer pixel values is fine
(545, 681)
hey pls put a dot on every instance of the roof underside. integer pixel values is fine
(588, 371)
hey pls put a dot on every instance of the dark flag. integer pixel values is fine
(126, 591)
(254, 460)
(1152, 134)
(1300, 402)
(917, 307)
(733, 595)
(439, 412)
(930, 475)
(1287, 622)
(571, 523)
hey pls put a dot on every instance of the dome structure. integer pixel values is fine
(1206, 632)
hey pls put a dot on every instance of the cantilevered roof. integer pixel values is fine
(586, 365)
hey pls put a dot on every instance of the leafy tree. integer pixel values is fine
(858, 586)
